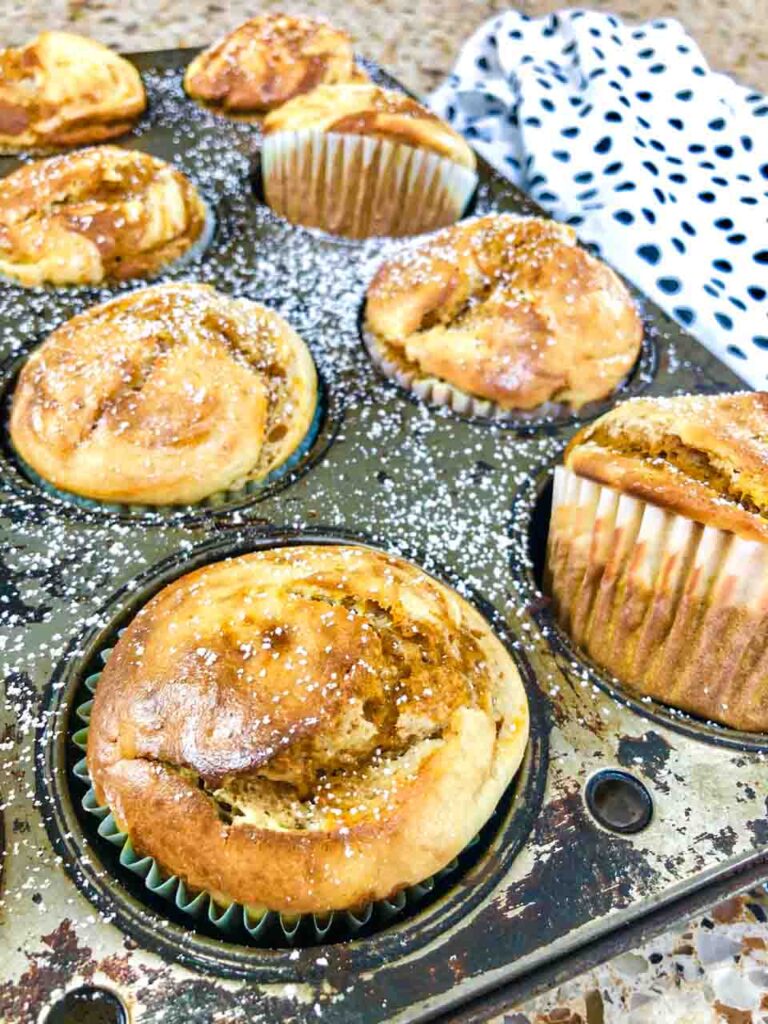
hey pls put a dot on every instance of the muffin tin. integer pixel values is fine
(547, 888)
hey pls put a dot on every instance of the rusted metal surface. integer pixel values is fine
(464, 499)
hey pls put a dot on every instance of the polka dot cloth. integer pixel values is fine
(625, 133)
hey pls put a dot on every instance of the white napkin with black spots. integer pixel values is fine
(625, 133)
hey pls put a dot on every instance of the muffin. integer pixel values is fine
(357, 160)
(65, 90)
(657, 559)
(305, 729)
(97, 214)
(164, 396)
(268, 60)
(502, 314)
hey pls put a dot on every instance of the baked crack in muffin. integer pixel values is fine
(268, 60)
(499, 314)
(97, 214)
(657, 560)
(66, 90)
(164, 396)
(358, 160)
(305, 729)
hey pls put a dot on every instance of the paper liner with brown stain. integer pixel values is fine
(675, 610)
(359, 186)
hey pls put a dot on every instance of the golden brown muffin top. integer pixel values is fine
(98, 213)
(164, 396)
(703, 456)
(508, 309)
(268, 60)
(370, 110)
(306, 728)
(63, 89)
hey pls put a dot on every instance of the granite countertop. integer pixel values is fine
(418, 42)
(711, 970)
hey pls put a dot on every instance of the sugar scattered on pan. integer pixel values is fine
(318, 286)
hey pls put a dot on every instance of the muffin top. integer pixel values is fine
(164, 396)
(370, 110)
(508, 309)
(65, 90)
(97, 213)
(306, 728)
(703, 456)
(269, 60)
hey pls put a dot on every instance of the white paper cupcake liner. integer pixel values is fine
(232, 919)
(360, 186)
(675, 610)
(436, 392)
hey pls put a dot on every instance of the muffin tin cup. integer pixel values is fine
(359, 186)
(217, 500)
(641, 589)
(234, 920)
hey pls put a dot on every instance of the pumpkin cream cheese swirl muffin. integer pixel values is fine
(305, 729)
(164, 396)
(63, 89)
(358, 160)
(97, 214)
(269, 60)
(657, 560)
(500, 314)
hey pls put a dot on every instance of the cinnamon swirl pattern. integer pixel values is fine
(269, 60)
(305, 729)
(502, 313)
(164, 396)
(65, 90)
(100, 213)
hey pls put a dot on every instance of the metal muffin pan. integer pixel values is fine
(549, 888)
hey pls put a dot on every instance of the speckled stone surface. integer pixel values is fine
(416, 41)
(711, 970)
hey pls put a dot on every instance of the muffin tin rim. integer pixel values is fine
(55, 755)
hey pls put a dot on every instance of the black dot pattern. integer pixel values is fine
(625, 134)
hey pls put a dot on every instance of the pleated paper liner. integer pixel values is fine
(359, 186)
(218, 500)
(440, 393)
(267, 927)
(675, 610)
